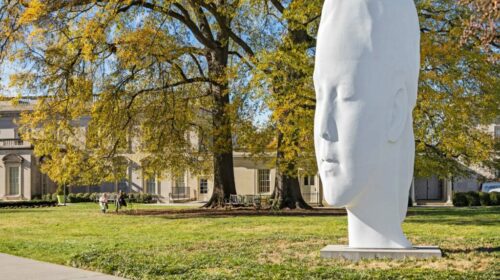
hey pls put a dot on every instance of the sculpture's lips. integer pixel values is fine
(329, 164)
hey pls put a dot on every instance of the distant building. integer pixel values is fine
(435, 190)
(21, 179)
(20, 176)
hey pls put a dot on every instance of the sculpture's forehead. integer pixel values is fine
(368, 43)
(367, 75)
(356, 29)
(345, 29)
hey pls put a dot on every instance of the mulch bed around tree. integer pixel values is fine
(233, 212)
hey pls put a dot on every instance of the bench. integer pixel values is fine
(248, 200)
(178, 198)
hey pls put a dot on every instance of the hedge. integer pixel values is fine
(472, 199)
(459, 199)
(484, 199)
(93, 197)
(141, 198)
(494, 198)
(462, 199)
(27, 204)
(80, 197)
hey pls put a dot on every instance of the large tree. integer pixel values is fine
(158, 69)
(458, 91)
(285, 72)
(144, 70)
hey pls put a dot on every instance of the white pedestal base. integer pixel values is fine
(355, 254)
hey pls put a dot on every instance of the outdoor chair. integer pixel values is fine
(233, 200)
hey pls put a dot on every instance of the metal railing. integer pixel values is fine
(14, 143)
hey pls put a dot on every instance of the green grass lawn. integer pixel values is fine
(140, 247)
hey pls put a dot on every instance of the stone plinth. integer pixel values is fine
(345, 252)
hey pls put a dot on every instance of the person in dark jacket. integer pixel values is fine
(120, 201)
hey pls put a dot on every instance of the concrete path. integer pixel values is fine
(16, 268)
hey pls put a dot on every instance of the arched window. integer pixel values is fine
(13, 170)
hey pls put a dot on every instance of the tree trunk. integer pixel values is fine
(224, 184)
(286, 192)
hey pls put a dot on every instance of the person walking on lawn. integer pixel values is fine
(103, 202)
(120, 201)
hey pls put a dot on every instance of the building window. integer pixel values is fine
(14, 180)
(308, 180)
(151, 185)
(264, 180)
(180, 182)
(203, 186)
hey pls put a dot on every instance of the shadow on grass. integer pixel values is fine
(463, 211)
(455, 222)
(447, 252)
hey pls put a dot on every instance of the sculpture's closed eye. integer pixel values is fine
(346, 92)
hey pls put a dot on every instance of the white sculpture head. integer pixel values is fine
(366, 76)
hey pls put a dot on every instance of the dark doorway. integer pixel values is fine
(428, 188)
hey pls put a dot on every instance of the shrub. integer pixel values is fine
(459, 199)
(27, 204)
(140, 198)
(494, 198)
(484, 199)
(93, 196)
(80, 197)
(131, 197)
(49, 197)
(146, 198)
(472, 199)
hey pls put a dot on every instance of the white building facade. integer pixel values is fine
(21, 179)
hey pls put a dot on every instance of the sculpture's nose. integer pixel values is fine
(327, 123)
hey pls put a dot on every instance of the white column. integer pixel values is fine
(449, 191)
(412, 192)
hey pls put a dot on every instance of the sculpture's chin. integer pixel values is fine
(336, 192)
(335, 201)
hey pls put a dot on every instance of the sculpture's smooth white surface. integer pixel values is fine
(366, 76)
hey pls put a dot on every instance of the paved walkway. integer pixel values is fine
(16, 268)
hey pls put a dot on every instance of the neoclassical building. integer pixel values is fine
(21, 179)
(20, 176)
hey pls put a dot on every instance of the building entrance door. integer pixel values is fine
(428, 188)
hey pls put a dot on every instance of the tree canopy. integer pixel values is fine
(144, 75)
